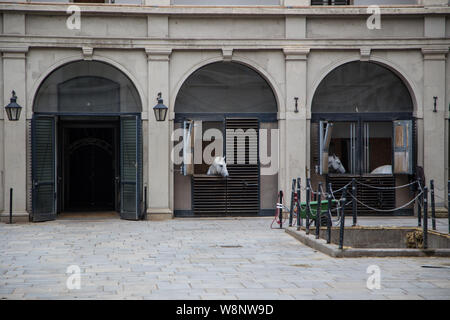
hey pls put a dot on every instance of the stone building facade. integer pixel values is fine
(158, 45)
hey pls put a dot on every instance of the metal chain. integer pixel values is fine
(387, 210)
(386, 188)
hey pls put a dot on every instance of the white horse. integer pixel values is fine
(335, 163)
(218, 168)
(387, 169)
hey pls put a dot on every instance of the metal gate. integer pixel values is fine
(239, 195)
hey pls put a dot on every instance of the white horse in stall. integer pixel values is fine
(335, 163)
(387, 169)
(218, 167)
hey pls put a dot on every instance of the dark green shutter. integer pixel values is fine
(131, 168)
(43, 168)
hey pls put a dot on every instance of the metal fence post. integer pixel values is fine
(425, 218)
(419, 206)
(318, 210)
(433, 208)
(291, 211)
(329, 214)
(280, 213)
(341, 230)
(10, 204)
(145, 203)
(299, 208)
(308, 200)
(354, 204)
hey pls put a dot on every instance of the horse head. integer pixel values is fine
(335, 163)
(218, 167)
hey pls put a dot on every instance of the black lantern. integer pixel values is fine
(13, 109)
(160, 109)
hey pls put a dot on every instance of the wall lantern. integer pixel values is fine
(296, 104)
(434, 104)
(13, 109)
(160, 109)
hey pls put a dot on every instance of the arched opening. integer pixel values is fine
(362, 128)
(86, 143)
(222, 109)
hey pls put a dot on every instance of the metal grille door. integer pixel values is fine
(238, 195)
(242, 154)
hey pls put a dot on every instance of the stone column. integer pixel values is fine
(296, 126)
(14, 134)
(435, 140)
(159, 161)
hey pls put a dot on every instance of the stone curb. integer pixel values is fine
(334, 251)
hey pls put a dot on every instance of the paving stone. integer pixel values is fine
(184, 259)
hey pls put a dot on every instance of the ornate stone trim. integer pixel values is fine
(227, 54)
(364, 53)
(158, 54)
(87, 53)
(435, 53)
(296, 53)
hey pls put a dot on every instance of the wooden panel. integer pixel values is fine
(375, 198)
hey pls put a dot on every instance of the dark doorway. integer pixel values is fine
(88, 176)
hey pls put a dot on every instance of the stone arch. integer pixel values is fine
(76, 58)
(389, 65)
(278, 95)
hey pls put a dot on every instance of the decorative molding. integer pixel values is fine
(435, 53)
(364, 53)
(296, 53)
(158, 53)
(227, 54)
(87, 53)
(14, 52)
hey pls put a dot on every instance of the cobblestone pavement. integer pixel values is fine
(196, 259)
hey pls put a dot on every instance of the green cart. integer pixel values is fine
(313, 205)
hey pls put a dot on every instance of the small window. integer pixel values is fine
(330, 2)
(188, 148)
(342, 150)
(90, 1)
(227, 2)
(377, 147)
(325, 131)
(202, 142)
(403, 146)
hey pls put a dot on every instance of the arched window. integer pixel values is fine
(361, 87)
(362, 115)
(87, 87)
(225, 87)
